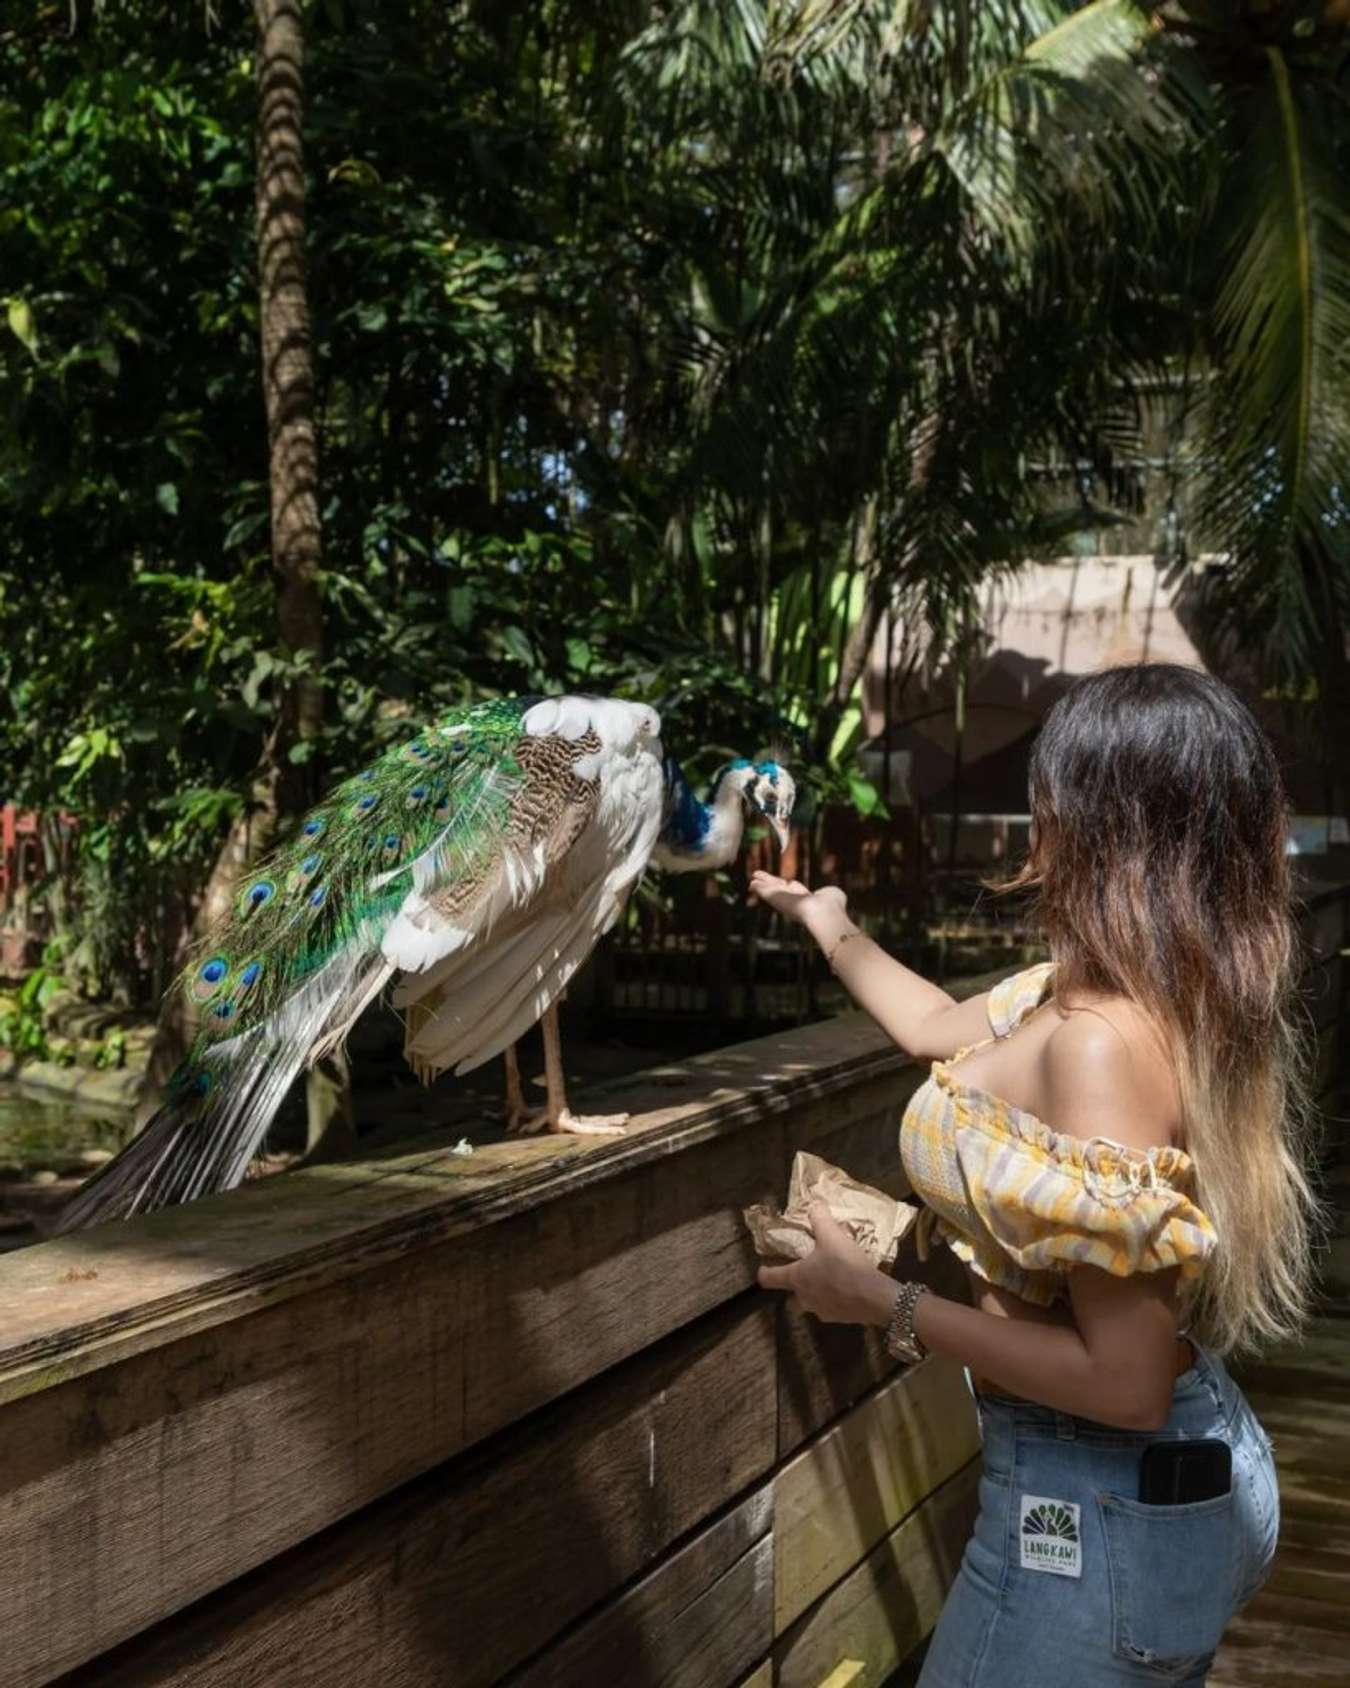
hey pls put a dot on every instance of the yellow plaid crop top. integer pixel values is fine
(1021, 1203)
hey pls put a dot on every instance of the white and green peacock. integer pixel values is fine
(474, 867)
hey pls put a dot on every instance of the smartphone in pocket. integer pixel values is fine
(1177, 1473)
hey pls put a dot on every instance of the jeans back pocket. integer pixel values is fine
(1174, 1573)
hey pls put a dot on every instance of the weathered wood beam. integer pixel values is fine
(297, 1352)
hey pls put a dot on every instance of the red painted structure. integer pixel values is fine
(20, 865)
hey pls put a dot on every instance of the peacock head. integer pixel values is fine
(767, 789)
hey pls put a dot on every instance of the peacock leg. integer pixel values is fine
(560, 1117)
(521, 1118)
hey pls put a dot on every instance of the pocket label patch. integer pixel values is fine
(1051, 1537)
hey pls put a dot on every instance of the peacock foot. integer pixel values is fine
(590, 1125)
(525, 1122)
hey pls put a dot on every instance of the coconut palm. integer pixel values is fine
(966, 235)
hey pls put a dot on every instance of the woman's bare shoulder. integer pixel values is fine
(1106, 1073)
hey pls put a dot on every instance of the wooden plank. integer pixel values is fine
(882, 1610)
(301, 1413)
(1323, 925)
(80, 1302)
(825, 1369)
(848, 1490)
(193, 1464)
(465, 1573)
(1296, 1632)
(192, 1394)
(699, 1620)
(762, 1677)
(848, 1673)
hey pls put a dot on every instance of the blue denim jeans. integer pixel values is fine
(1068, 1581)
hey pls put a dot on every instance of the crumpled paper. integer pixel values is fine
(876, 1222)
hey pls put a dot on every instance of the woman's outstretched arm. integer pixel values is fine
(917, 1015)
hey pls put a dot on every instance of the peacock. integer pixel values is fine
(475, 866)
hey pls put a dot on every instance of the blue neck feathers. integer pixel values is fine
(688, 818)
(696, 831)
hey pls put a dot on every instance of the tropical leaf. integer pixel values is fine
(1273, 452)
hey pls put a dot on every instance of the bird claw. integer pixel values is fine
(526, 1122)
(590, 1125)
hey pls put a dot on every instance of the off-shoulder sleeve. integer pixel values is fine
(1052, 1202)
(1013, 998)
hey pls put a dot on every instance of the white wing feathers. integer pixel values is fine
(474, 988)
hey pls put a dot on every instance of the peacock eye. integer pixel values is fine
(256, 895)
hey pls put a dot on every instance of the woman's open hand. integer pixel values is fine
(798, 902)
(836, 1282)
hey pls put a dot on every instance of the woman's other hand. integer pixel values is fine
(836, 1282)
(796, 901)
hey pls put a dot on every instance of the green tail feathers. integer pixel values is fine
(299, 957)
(350, 866)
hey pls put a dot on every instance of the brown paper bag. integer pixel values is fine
(874, 1220)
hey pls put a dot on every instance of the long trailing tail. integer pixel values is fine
(315, 934)
(217, 1110)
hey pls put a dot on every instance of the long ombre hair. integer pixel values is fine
(1159, 865)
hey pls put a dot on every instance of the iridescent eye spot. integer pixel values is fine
(202, 1084)
(312, 829)
(214, 971)
(249, 977)
(317, 895)
(310, 863)
(256, 895)
(416, 795)
(223, 1010)
(368, 803)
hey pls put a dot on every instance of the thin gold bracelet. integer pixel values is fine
(838, 944)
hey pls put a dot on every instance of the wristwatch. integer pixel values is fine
(902, 1341)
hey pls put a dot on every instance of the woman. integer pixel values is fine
(1110, 1142)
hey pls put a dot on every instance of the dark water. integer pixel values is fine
(38, 1132)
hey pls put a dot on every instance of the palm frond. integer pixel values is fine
(1273, 458)
(1081, 112)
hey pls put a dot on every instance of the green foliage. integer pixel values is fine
(655, 347)
(23, 1015)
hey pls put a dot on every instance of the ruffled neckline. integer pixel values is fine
(1001, 1118)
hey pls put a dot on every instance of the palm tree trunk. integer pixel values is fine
(288, 392)
(288, 375)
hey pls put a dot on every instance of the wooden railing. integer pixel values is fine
(518, 1416)
(513, 1417)
(1325, 927)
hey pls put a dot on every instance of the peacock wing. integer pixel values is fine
(581, 829)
